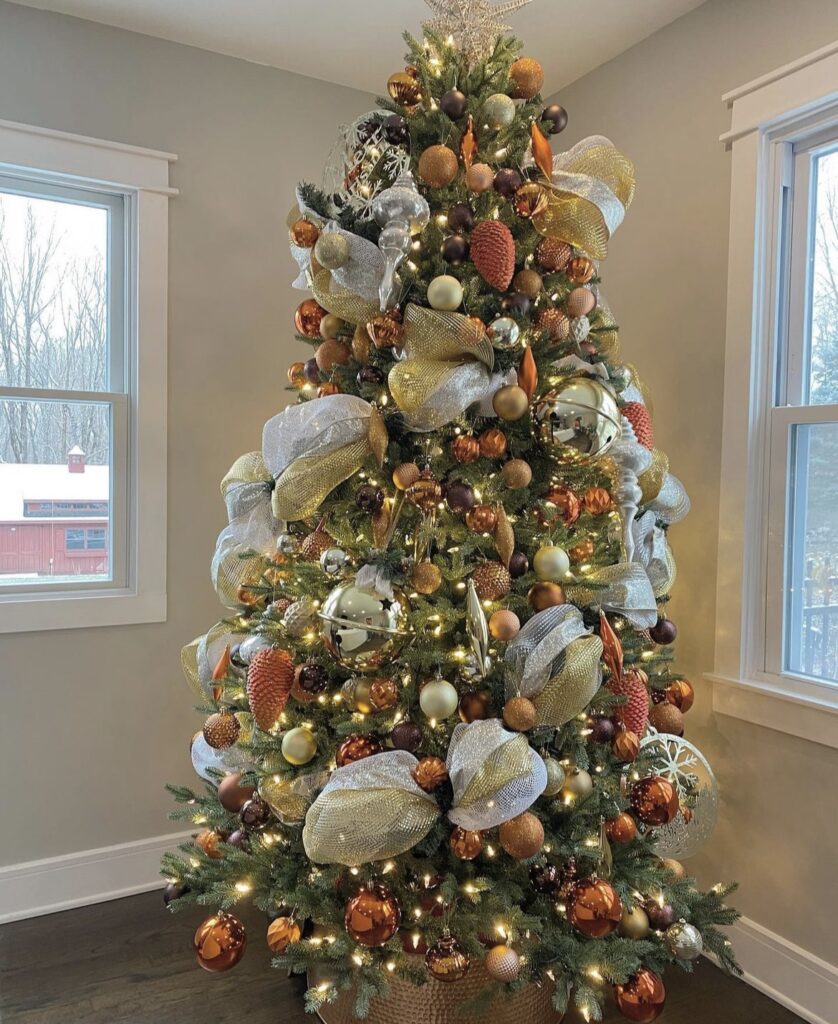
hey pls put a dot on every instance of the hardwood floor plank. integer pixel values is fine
(129, 962)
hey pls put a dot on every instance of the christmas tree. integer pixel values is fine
(444, 739)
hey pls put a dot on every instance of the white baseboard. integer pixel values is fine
(791, 976)
(78, 879)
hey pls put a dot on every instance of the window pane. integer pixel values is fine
(823, 357)
(53, 293)
(55, 491)
(812, 553)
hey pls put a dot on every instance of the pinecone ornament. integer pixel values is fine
(270, 677)
(493, 253)
(635, 713)
(638, 416)
(221, 730)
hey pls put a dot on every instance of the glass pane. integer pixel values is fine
(812, 546)
(823, 357)
(53, 293)
(55, 492)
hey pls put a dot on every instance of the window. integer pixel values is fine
(83, 263)
(777, 594)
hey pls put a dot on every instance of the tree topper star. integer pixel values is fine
(474, 25)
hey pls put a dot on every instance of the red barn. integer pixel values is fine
(54, 519)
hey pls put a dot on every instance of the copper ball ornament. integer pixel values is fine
(430, 773)
(315, 543)
(385, 330)
(232, 795)
(373, 916)
(481, 519)
(522, 837)
(654, 800)
(282, 931)
(446, 960)
(545, 595)
(479, 178)
(304, 233)
(555, 322)
(642, 997)
(681, 694)
(566, 502)
(331, 353)
(667, 718)
(621, 829)
(220, 942)
(221, 730)
(405, 88)
(504, 625)
(405, 475)
(580, 302)
(520, 714)
(356, 748)
(594, 907)
(307, 318)
(476, 706)
(626, 746)
(296, 374)
(597, 500)
(493, 443)
(464, 844)
(426, 578)
(491, 581)
(675, 866)
(553, 254)
(208, 841)
(465, 449)
(580, 270)
(438, 166)
(503, 964)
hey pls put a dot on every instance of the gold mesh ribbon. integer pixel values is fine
(290, 799)
(447, 366)
(249, 468)
(506, 763)
(569, 692)
(342, 302)
(592, 187)
(189, 664)
(651, 481)
(606, 334)
(623, 588)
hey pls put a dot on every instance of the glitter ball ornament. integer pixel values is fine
(356, 748)
(221, 730)
(493, 253)
(299, 745)
(493, 443)
(491, 581)
(528, 77)
(522, 837)
(555, 323)
(654, 800)
(426, 578)
(373, 916)
(406, 736)
(582, 551)
(634, 714)
(315, 543)
(642, 997)
(667, 718)
(332, 250)
(307, 318)
(282, 931)
(510, 402)
(270, 676)
(555, 776)
(504, 625)
(498, 111)
(430, 773)
(684, 941)
(634, 924)
(446, 960)
(502, 964)
(438, 166)
(638, 416)
(517, 474)
(528, 282)
(476, 705)
(465, 449)
(232, 795)
(621, 829)
(553, 254)
(405, 474)
(220, 942)
(464, 844)
(594, 908)
(479, 178)
(519, 714)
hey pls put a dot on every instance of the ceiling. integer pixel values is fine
(359, 44)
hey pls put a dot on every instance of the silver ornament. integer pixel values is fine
(504, 333)
(684, 941)
(361, 629)
(252, 645)
(287, 544)
(478, 631)
(578, 420)
(580, 328)
(333, 560)
(402, 212)
(300, 616)
(633, 459)
(469, 668)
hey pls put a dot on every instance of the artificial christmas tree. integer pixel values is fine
(443, 749)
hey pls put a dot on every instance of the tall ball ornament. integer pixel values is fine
(498, 111)
(220, 942)
(373, 916)
(361, 629)
(270, 676)
(654, 800)
(578, 420)
(438, 699)
(503, 964)
(299, 745)
(445, 293)
(594, 908)
(684, 941)
(522, 837)
(642, 997)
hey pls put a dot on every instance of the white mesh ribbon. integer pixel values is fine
(309, 449)
(362, 272)
(531, 658)
(495, 774)
(205, 757)
(672, 503)
(652, 551)
(199, 658)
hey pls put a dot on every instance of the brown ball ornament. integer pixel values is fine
(464, 844)
(597, 500)
(654, 800)
(493, 443)
(476, 706)
(446, 960)
(307, 318)
(545, 595)
(517, 474)
(528, 78)
(465, 449)
(580, 270)
(426, 578)
(555, 323)
(356, 748)
(332, 353)
(406, 736)
(522, 837)
(502, 964)
(481, 519)
(232, 795)
(438, 166)
(220, 942)
(642, 997)
(304, 233)
(681, 694)
(282, 931)
(430, 773)
(504, 625)
(528, 282)
(510, 402)
(373, 916)
(520, 714)
(491, 581)
(553, 254)
(221, 730)
(666, 718)
(621, 829)
(405, 475)
(594, 907)
(480, 178)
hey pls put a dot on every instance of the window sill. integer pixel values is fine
(811, 718)
(37, 612)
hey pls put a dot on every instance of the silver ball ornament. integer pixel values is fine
(577, 420)
(683, 941)
(504, 333)
(361, 629)
(580, 328)
(300, 616)
(252, 645)
(333, 560)
(287, 544)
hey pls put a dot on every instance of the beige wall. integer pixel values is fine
(94, 721)
(666, 281)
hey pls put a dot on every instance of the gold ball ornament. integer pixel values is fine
(528, 76)
(373, 916)
(464, 844)
(331, 327)
(522, 837)
(465, 449)
(438, 166)
(221, 730)
(491, 581)
(480, 178)
(510, 402)
(577, 420)
(426, 578)
(220, 942)
(405, 475)
(580, 302)
(493, 443)
(438, 699)
(502, 964)
(331, 353)
(481, 519)
(654, 800)
(498, 111)
(578, 786)
(445, 293)
(299, 745)
(594, 908)
(362, 630)
(282, 931)
(621, 829)
(555, 776)
(555, 323)
(634, 924)
(580, 270)
(553, 254)
(209, 841)
(446, 960)
(332, 250)
(405, 88)
(530, 199)
(308, 316)
(545, 595)
(517, 474)
(551, 563)
(528, 282)
(357, 691)
(425, 493)
(304, 233)
(520, 714)
(430, 773)
(504, 625)
(642, 997)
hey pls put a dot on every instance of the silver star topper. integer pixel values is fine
(474, 25)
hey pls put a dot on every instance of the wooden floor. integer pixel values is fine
(130, 962)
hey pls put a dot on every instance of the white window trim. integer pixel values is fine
(142, 176)
(760, 112)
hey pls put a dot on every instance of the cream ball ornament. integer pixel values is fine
(332, 250)
(439, 699)
(445, 293)
(551, 563)
(299, 745)
(499, 111)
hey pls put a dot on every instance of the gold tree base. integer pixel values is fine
(438, 1002)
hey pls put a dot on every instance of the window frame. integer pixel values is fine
(774, 121)
(46, 159)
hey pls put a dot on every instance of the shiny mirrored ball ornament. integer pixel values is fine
(361, 629)
(684, 941)
(333, 560)
(504, 333)
(220, 942)
(576, 421)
